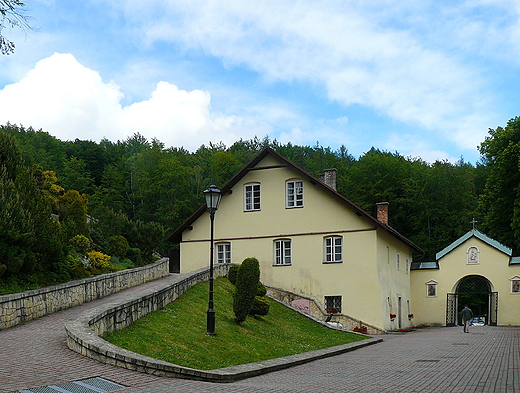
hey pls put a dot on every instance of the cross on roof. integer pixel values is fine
(473, 221)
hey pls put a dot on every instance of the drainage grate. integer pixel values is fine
(89, 385)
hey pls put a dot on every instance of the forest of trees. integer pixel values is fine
(56, 195)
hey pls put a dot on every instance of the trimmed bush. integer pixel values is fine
(260, 306)
(248, 277)
(232, 274)
(118, 246)
(80, 244)
(262, 290)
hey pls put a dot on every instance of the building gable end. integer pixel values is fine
(479, 235)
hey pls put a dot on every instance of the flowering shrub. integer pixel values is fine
(333, 310)
(360, 329)
(98, 259)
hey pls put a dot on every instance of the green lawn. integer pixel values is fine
(177, 333)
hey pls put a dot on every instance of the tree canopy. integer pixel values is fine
(139, 189)
(11, 15)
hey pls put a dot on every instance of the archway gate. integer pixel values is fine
(476, 292)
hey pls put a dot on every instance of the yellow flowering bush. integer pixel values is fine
(98, 259)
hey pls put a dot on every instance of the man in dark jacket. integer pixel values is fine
(467, 314)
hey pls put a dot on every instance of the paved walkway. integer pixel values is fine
(430, 360)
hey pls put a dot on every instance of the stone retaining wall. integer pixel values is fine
(317, 312)
(24, 306)
(83, 332)
(83, 336)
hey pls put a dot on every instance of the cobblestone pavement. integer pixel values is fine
(428, 360)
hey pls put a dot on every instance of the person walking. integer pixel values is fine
(467, 314)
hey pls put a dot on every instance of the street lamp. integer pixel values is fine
(212, 195)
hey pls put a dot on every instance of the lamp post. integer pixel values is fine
(212, 195)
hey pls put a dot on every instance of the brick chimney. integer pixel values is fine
(382, 212)
(329, 177)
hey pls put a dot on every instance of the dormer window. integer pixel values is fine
(294, 193)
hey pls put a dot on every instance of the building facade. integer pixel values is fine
(475, 270)
(309, 240)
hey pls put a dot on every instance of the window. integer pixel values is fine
(252, 197)
(431, 288)
(398, 261)
(223, 252)
(333, 249)
(294, 193)
(407, 266)
(515, 284)
(282, 252)
(333, 304)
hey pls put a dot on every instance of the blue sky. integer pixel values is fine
(423, 78)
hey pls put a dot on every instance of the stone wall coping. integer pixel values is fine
(76, 283)
(24, 306)
(81, 338)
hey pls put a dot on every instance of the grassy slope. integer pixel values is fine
(176, 334)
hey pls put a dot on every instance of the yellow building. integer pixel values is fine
(474, 270)
(309, 239)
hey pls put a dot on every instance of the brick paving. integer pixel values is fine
(429, 360)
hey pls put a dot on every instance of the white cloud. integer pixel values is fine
(355, 51)
(71, 101)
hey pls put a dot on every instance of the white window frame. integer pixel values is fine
(282, 252)
(407, 266)
(294, 193)
(330, 248)
(223, 251)
(398, 261)
(252, 194)
(515, 281)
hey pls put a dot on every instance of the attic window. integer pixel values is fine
(252, 197)
(294, 193)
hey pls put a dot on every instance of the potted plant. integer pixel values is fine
(410, 316)
(361, 329)
(333, 310)
(392, 317)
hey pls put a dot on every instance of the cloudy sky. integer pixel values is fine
(424, 78)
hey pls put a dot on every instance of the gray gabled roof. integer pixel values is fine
(479, 235)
